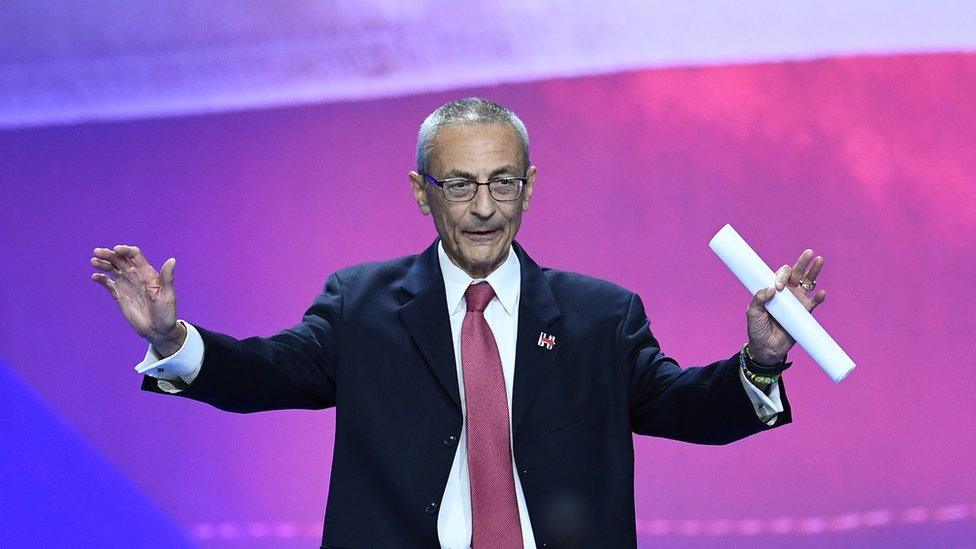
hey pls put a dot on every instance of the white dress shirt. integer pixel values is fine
(454, 517)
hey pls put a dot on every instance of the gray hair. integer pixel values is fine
(472, 110)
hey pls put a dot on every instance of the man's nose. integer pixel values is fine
(483, 205)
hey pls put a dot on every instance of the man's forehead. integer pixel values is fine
(476, 147)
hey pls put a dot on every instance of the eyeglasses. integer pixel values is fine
(459, 189)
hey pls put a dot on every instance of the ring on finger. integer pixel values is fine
(807, 286)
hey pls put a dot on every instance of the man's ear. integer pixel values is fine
(419, 192)
(527, 188)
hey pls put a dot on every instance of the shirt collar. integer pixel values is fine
(505, 280)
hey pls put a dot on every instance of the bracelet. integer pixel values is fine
(761, 370)
(757, 379)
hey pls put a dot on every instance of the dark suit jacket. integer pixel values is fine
(377, 345)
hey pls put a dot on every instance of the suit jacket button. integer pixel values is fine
(450, 440)
(431, 508)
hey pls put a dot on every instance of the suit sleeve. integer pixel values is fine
(703, 405)
(295, 368)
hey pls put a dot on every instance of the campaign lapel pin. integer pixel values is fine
(546, 340)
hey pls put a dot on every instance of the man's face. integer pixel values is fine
(476, 234)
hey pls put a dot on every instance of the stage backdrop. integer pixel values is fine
(869, 161)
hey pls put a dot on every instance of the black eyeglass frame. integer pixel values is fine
(441, 182)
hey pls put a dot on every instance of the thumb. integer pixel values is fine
(166, 273)
(763, 296)
(760, 299)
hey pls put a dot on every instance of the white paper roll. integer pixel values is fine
(750, 269)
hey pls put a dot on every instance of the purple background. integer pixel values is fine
(867, 160)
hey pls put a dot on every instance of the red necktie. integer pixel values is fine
(494, 510)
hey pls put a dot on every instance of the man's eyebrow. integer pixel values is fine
(459, 173)
(503, 170)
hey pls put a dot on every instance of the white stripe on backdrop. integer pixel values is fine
(65, 62)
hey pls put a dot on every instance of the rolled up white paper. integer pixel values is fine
(750, 269)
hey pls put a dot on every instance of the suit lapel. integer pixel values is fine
(426, 318)
(537, 312)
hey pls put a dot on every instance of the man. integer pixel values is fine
(480, 400)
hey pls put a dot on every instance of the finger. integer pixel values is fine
(815, 266)
(105, 281)
(800, 267)
(110, 256)
(125, 260)
(133, 254)
(166, 272)
(102, 264)
(818, 298)
(782, 277)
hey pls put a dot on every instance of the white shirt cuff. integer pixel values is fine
(768, 406)
(178, 369)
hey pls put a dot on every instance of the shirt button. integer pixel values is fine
(450, 440)
(431, 508)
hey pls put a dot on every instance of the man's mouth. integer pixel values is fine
(486, 234)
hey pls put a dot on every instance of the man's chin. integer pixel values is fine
(482, 263)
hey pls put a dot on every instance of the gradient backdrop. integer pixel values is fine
(867, 160)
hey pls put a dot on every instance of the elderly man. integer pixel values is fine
(482, 401)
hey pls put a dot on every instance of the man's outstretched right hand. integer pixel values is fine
(146, 297)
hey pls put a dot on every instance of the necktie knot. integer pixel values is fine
(478, 295)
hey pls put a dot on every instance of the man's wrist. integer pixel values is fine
(169, 345)
(759, 365)
(760, 358)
